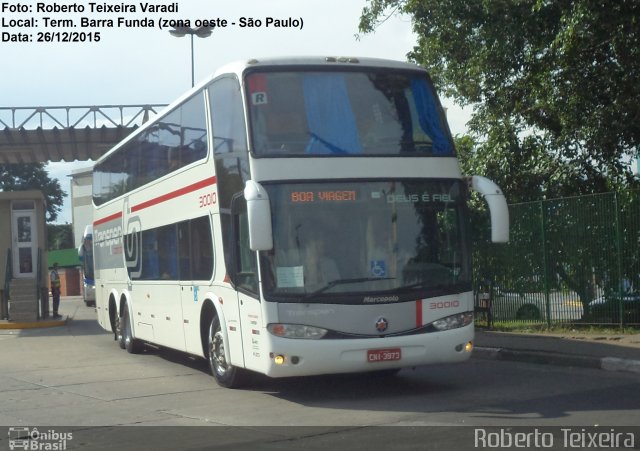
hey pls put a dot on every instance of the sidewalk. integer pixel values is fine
(39, 324)
(67, 304)
(607, 352)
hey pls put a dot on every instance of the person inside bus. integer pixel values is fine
(319, 268)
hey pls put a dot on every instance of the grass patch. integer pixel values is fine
(583, 329)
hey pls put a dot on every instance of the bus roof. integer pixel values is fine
(238, 68)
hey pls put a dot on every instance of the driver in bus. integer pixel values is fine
(319, 268)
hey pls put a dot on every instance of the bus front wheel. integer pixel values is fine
(226, 374)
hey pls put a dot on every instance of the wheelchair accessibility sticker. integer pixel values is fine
(378, 268)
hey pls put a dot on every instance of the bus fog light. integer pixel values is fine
(468, 347)
(454, 321)
(296, 331)
(295, 359)
(279, 359)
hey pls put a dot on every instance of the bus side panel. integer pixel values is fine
(102, 309)
(158, 305)
(253, 332)
(231, 301)
(226, 297)
(192, 298)
(108, 260)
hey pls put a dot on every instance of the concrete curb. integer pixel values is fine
(616, 364)
(10, 325)
(551, 358)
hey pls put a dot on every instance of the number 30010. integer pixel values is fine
(208, 199)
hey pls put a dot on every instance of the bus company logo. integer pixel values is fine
(32, 439)
(108, 237)
(382, 324)
(380, 299)
(132, 247)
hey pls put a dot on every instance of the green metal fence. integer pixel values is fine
(570, 260)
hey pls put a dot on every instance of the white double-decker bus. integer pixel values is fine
(294, 216)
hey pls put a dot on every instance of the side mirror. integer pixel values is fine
(497, 206)
(258, 216)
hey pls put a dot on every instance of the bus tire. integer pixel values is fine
(226, 375)
(132, 345)
(119, 322)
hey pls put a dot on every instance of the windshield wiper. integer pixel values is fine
(425, 287)
(336, 282)
(332, 147)
(411, 286)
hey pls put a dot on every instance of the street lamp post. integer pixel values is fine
(201, 32)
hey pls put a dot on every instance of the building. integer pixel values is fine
(81, 206)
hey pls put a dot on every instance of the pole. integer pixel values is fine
(192, 64)
(619, 251)
(545, 264)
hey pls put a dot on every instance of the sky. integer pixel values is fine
(142, 64)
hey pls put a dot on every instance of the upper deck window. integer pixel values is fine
(170, 143)
(311, 113)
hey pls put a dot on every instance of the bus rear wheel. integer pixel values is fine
(119, 330)
(226, 374)
(132, 345)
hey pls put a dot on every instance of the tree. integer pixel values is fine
(553, 85)
(33, 176)
(60, 236)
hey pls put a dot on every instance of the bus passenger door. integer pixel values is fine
(245, 278)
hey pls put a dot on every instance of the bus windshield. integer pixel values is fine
(349, 241)
(348, 113)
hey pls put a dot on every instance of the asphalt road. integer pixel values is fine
(75, 378)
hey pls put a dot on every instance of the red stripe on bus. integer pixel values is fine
(177, 193)
(419, 313)
(108, 218)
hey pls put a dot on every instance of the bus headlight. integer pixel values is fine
(454, 321)
(296, 331)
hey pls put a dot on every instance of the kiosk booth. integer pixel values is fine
(23, 270)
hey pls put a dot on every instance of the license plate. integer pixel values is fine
(383, 355)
